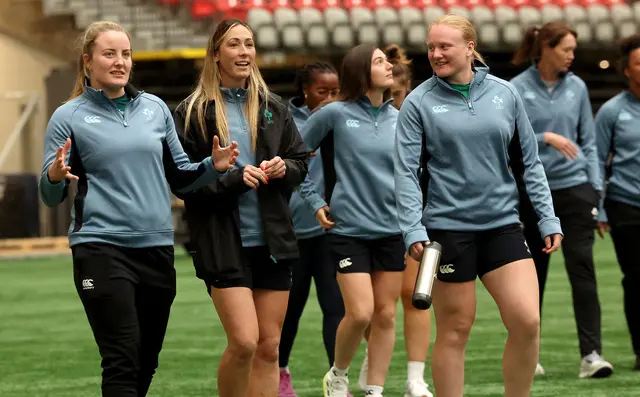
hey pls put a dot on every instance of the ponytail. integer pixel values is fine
(525, 50)
(476, 55)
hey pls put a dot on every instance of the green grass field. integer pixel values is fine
(46, 347)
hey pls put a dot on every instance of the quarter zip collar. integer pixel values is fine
(234, 94)
(365, 103)
(100, 96)
(302, 112)
(534, 73)
(480, 73)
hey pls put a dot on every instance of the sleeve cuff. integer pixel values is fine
(550, 226)
(316, 203)
(415, 236)
(209, 167)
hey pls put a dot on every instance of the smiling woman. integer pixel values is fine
(121, 235)
(241, 225)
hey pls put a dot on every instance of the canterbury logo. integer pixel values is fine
(346, 262)
(87, 283)
(446, 269)
(92, 119)
(440, 109)
(353, 123)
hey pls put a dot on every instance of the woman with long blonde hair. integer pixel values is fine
(241, 225)
(121, 146)
(476, 144)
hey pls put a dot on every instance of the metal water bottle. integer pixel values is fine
(426, 275)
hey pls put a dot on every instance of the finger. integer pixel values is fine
(233, 147)
(263, 165)
(216, 143)
(275, 170)
(66, 147)
(274, 162)
(250, 181)
(280, 174)
(71, 176)
(60, 152)
(312, 154)
(258, 174)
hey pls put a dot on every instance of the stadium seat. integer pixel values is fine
(342, 36)
(267, 38)
(585, 33)
(201, 9)
(575, 13)
(512, 34)
(335, 16)
(292, 37)
(368, 34)
(393, 34)
(417, 35)
(309, 17)
(627, 29)
(317, 37)
(257, 17)
(529, 16)
(621, 13)
(360, 16)
(284, 16)
(489, 35)
(409, 15)
(605, 33)
(432, 13)
(504, 15)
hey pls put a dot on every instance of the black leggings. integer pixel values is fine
(312, 264)
(574, 207)
(624, 221)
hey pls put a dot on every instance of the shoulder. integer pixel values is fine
(419, 93)
(332, 108)
(521, 78)
(65, 113)
(612, 107)
(276, 104)
(152, 100)
(502, 89)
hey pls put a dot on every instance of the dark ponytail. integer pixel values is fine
(550, 35)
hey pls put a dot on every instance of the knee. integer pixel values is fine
(243, 349)
(385, 316)
(268, 350)
(361, 317)
(456, 331)
(525, 327)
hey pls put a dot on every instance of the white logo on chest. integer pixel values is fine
(92, 119)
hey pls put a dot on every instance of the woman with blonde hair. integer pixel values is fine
(417, 323)
(476, 145)
(241, 225)
(121, 146)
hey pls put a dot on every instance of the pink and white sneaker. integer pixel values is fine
(286, 387)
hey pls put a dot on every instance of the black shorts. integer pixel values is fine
(467, 255)
(259, 271)
(356, 255)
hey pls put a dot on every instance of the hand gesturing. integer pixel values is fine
(59, 170)
(224, 158)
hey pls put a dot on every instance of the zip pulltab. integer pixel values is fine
(273, 259)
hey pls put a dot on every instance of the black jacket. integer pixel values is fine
(212, 212)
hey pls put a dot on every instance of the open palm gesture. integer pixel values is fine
(224, 158)
(59, 170)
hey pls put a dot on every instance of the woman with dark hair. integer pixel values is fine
(241, 225)
(558, 106)
(356, 136)
(619, 154)
(417, 323)
(315, 83)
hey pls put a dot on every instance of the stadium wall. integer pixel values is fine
(24, 71)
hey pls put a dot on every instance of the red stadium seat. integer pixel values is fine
(202, 9)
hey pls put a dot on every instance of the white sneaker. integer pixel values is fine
(416, 388)
(362, 379)
(539, 370)
(594, 366)
(334, 385)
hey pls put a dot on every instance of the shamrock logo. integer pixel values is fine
(269, 116)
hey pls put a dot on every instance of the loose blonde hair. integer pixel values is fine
(86, 43)
(208, 88)
(465, 26)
